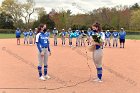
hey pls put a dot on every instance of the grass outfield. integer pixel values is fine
(4, 36)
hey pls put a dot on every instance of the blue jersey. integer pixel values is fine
(107, 34)
(89, 33)
(30, 33)
(35, 32)
(122, 34)
(18, 33)
(42, 41)
(25, 34)
(115, 34)
(63, 33)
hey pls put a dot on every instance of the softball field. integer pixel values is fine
(71, 69)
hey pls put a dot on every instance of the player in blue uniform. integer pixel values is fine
(55, 33)
(89, 34)
(97, 52)
(48, 34)
(34, 35)
(122, 35)
(82, 38)
(63, 36)
(25, 37)
(30, 37)
(70, 39)
(18, 34)
(43, 46)
(78, 32)
(115, 35)
(107, 38)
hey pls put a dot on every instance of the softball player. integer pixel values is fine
(82, 38)
(122, 35)
(78, 37)
(115, 35)
(34, 35)
(55, 32)
(107, 38)
(98, 53)
(63, 37)
(70, 39)
(48, 34)
(30, 37)
(18, 34)
(89, 33)
(43, 49)
(25, 37)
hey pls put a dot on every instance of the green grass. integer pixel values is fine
(4, 36)
(134, 37)
(7, 36)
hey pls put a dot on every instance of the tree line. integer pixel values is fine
(15, 14)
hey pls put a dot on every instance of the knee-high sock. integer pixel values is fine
(99, 72)
(40, 71)
(45, 70)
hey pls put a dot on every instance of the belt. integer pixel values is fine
(44, 47)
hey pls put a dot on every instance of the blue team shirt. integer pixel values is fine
(107, 34)
(18, 32)
(63, 33)
(89, 33)
(122, 34)
(42, 41)
(25, 34)
(115, 34)
(30, 33)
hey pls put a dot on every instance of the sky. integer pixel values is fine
(80, 6)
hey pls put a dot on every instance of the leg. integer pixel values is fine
(113, 42)
(40, 60)
(98, 62)
(45, 62)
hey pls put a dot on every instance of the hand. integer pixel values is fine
(42, 53)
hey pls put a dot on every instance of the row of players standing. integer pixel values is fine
(81, 35)
(116, 35)
(29, 36)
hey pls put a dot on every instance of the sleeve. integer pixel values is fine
(37, 37)
(37, 42)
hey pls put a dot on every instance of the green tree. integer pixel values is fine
(135, 20)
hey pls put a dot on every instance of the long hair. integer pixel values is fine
(39, 28)
(97, 25)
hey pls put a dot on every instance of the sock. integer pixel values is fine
(45, 70)
(99, 73)
(40, 71)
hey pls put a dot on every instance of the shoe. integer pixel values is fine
(47, 77)
(42, 78)
(98, 80)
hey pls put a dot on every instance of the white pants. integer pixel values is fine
(97, 58)
(43, 59)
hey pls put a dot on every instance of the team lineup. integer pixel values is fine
(94, 38)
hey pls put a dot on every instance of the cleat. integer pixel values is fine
(42, 78)
(47, 77)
